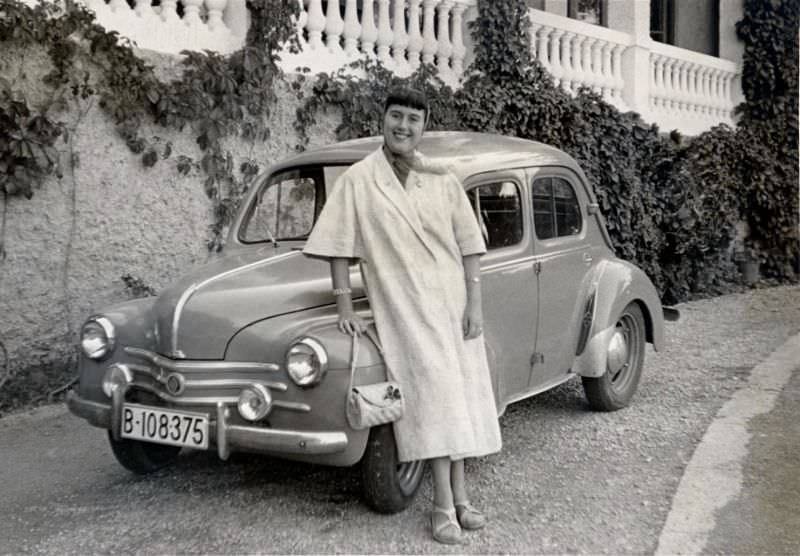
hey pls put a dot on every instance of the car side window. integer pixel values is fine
(499, 211)
(284, 208)
(556, 210)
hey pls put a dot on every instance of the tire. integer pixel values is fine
(625, 361)
(142, 457)
(388, 485)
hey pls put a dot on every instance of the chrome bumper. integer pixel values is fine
(228, 437)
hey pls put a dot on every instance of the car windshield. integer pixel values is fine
(288, 203)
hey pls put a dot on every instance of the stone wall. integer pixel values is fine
(106, 216)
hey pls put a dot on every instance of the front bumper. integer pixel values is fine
(227, 437)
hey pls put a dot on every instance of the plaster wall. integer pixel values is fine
(106, 216)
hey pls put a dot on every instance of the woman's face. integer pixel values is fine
(402, 128)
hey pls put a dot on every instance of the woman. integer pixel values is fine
(410, 225)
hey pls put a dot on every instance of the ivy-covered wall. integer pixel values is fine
(112, 208)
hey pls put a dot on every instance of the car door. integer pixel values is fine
(508, 281)
(563, 256)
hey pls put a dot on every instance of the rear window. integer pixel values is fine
(287, 204)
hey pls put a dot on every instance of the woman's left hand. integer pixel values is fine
(473, 321)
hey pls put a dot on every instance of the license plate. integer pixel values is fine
(165, 426)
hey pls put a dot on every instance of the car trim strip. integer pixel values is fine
(213, 400)
(199, 366)
(191, 290)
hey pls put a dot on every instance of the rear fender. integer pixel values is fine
(615, 284)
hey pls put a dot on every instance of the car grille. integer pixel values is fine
(198, 383)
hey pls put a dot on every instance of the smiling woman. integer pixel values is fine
(413, 230)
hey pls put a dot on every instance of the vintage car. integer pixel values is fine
(244, 354)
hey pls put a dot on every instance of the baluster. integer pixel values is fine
(596, 53)
(580, 65)
(607, 72)
(384, 31)
(302, 21)
(719, 98)
(555, 56)
(459, 49)
(414, 34)
(352, 28)
(334, 25)
(658, 82)
(315, 24)
(169, 11)
(532, 31)
(702, 91)
(727, 84)
(215, 8)
(674, 84)
(619, 80)
(683, 87)
(369, 32)
(400, 41)
(543, 49)
(567, 74)
(191, 12)
(429, 44)
(445, 49)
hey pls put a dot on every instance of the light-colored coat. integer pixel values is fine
(410, 242)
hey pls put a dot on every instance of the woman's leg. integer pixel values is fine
(442, 491)
(458, 482)
(468, 516)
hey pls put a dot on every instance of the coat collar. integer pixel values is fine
(392, 189)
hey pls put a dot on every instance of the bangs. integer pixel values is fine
(408, 97)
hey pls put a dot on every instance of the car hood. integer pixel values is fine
(197, 316)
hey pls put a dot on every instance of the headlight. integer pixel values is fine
(254, 402)
(307, 362)
(116, 375)
(97, 337)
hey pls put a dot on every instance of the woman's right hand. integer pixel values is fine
(351, 324)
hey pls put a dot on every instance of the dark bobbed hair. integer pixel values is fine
(408, 97)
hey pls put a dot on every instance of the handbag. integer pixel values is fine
(368, 405)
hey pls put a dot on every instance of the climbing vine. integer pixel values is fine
(216, 96)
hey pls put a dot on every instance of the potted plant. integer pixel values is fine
(747, 259)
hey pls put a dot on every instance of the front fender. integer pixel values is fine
(134, 326)
(614, 285)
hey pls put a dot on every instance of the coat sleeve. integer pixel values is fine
(465, 224)
(337, 232)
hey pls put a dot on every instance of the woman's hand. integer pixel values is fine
(473, 321)
(351, 324)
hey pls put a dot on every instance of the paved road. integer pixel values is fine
(567, 481)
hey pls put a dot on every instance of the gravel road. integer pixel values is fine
(568, 480)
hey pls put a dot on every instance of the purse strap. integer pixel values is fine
(354, 354)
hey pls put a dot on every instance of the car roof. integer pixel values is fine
(466, 153)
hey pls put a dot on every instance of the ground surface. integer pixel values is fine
(567, 481)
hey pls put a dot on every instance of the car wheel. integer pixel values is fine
(142, 457)
(389, 486)
(625, 360)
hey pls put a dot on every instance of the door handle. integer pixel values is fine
(587, 258)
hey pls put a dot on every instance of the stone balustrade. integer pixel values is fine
(691, 91)
(219, 25)
(672, 87)
(579, 54)
(400, 33)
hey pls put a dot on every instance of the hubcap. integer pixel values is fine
(409, 475)
(623, 352)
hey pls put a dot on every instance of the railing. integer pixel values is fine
(580, 54)
(673, 87)
(399, 33)
(690, 91)
(219, 25)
